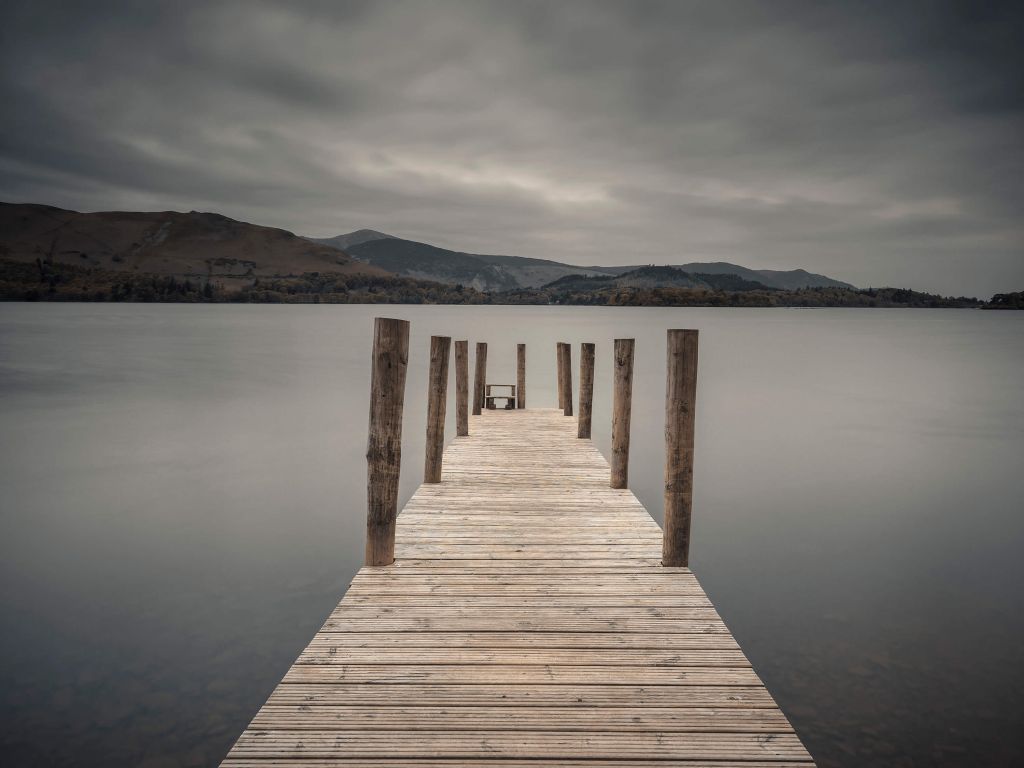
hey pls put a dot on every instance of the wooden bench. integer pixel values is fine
(510, 399)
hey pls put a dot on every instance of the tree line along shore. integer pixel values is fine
(41, 281)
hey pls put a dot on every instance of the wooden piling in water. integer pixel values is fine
(520, 376)
(480, 377)
(567, 379)
(622, 401)
(561, 374)
(389, 363)
(437, 403)
(680, 402)
(586, 390)
(461, 388)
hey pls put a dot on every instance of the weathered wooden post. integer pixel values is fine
(384, 445)
(437, 403)
(561, 374)
(520, 375)
(586, 390)
(461, 388)
(680, 402)
(622, 400)
(566, 358)
(480, 377)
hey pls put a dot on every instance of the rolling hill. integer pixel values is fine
(501, 273)
(657, 277)
(428, 262)
(787, 280)
(202, 245)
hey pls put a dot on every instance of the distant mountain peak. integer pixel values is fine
(351, 239)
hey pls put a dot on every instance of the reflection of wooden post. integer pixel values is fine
(437, 402)
(680, 403)
(586, 390)
(461, 388)
(621, 406)
(480, 378)
(561, 374)
(520, 375)
(567, 379)
(384, 446)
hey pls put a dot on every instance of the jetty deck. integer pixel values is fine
(526, 621)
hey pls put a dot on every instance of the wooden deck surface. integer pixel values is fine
(527, 621)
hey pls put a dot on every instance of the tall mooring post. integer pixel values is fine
(461, 388)
(384, 445)
(566, 358)
(622, 402)
(437, 402)
(520, 376)
(480, 377)
(680, 403)
(559, 361)
(586, 390)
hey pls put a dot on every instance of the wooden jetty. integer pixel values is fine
(526, 620)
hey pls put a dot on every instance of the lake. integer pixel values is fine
(183, 504)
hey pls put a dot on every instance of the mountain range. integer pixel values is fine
(234, 254)
(410, 258)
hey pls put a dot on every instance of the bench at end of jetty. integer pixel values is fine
(510, 398)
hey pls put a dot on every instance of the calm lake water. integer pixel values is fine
(182, 505)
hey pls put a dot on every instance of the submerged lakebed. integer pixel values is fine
(183, 504)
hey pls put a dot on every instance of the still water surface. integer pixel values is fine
(182, 505)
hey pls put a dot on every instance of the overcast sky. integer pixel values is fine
(880, 143)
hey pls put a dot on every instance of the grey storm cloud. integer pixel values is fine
(880, 143)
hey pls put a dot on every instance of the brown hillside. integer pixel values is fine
(165, 243)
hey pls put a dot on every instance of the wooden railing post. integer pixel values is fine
(480, 377)
(680, 402)
(567, 379)
(461, 388)
(437, 404)
(561, 374)
(622, 400)
(520, 375)
(384, 445)
(586, 390)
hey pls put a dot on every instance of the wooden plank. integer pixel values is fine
(517, 695)
(491, 639)
(363, 762)
(388, 600)
(654, 745)
(585, 582)
(345, 611)
(334, 654)
(481, 621)
(616, 719)
(521, 674)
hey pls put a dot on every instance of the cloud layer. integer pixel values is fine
(878, 145)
